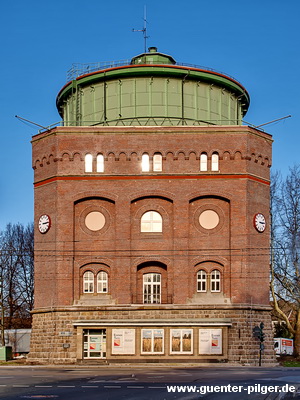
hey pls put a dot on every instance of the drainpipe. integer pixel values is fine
(182, 97)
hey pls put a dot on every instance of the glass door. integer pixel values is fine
(152, 285)
(94, 343)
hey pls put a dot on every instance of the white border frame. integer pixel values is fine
(152, 342)
(130, 332)
(192, 340)
(210, 332)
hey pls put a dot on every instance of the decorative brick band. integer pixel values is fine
(147, 177)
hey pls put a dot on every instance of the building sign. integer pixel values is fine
(123, 341)
(65, 333)
(210, 341)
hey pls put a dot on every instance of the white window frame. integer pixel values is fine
(201, 281)
(215, 281)
(102, 282)
(181, 331)
(151, 221)
(152, 288)
(100, 163)
(203, 162)
(152, 334)
(88, 282)
(96, 338)
(157, 162)
(215, 162)
(145, 162)
(88, 163)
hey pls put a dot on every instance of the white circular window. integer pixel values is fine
(95, 221)
(209, 219)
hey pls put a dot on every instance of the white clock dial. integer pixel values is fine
(44, 223)
(259, 222)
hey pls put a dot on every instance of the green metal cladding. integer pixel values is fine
(153, 90)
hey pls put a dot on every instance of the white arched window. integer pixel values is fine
(215, 162)
(157, 162)
(215, 281)
(151, 221)
(145, 163)
(100, 163)
(88, 160)
(88, 282)
(152, 288)
(201, 281)
(102, 282)
(203, 162)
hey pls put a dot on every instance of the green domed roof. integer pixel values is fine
(153, 57)
(151, 89)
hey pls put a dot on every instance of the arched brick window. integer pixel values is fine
(102, 282)
(203, 162)
(215, 162)
(152, 284)
(145, 163)
(88, 282)
(215, 281)
(100, 163)
(88, 163)
(152, 288)
(157, 162)
(201, 281)
(209, 277)
(151, 221)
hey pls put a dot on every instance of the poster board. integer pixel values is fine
(123, 341)
(210, 341)
(152, 341)
(181, 341)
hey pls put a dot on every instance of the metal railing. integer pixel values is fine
(141, 122)
(79, 69)
(137, 122)
(139, 299)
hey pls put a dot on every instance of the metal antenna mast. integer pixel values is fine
(271, 122)
(144, 30)
(31, 122)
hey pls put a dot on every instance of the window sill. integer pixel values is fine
(150, 235)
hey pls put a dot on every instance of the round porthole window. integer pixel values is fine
(95, 221)
(209, 219)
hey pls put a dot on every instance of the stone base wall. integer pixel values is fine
(55, 339)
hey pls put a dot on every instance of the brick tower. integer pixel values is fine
(151, 219)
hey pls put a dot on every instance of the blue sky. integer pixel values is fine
(257, 42)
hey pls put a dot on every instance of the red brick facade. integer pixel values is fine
(235, 192)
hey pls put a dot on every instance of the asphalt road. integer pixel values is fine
(147, 383)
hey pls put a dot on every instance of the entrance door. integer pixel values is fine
(94, 343)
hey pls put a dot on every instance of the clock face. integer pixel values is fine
(44, 223)
(259, 222)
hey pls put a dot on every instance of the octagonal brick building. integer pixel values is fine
(151, 218)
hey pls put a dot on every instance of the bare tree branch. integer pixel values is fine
(285, 243)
